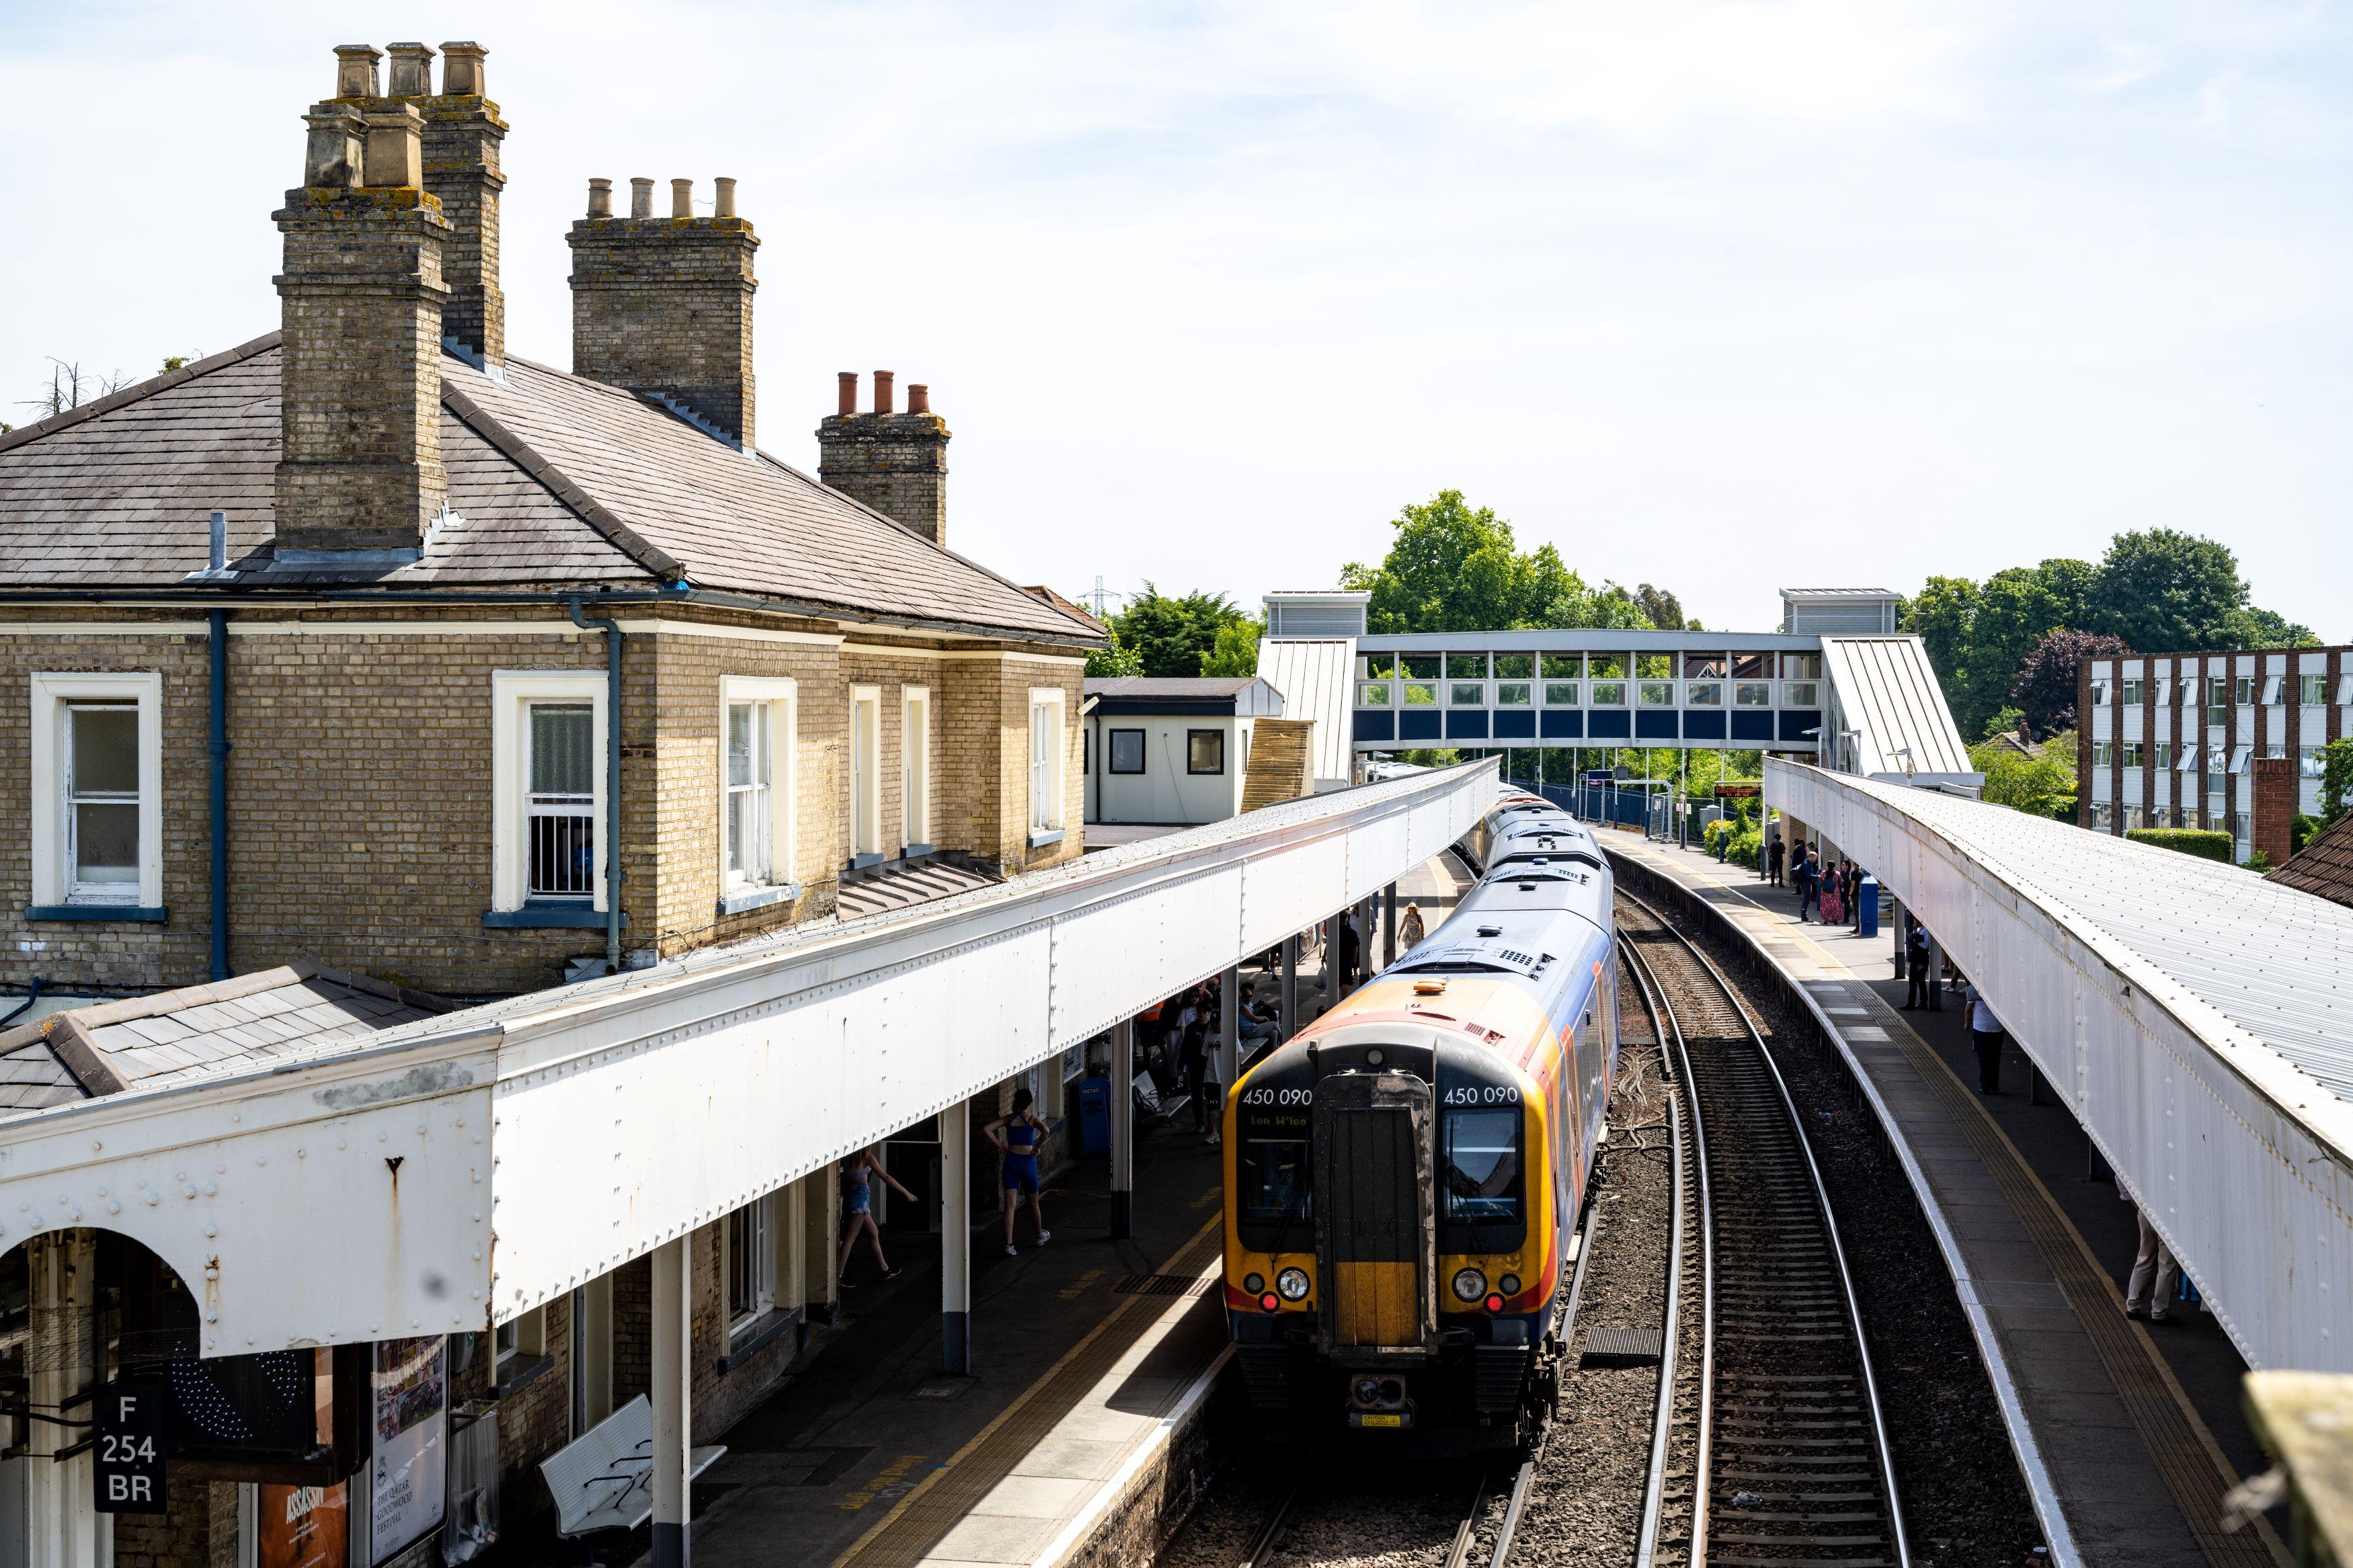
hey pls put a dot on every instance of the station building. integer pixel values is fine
(2172, 740)
(1837, 683)
(366, 669)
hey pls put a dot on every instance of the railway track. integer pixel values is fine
(1286, 1535)
(1772, 1449)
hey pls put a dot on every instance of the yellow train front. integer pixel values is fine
(1403, 1176)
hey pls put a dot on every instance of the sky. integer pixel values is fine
(1721, 296)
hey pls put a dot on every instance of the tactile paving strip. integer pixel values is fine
(949, 1493)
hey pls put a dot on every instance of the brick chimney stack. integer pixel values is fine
(359, 476)
(895, 463)
(663, 306)
(2273, 832)
(462, 133)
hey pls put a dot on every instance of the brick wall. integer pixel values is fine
(199, 1529)
(2272, 834)
(665, 305)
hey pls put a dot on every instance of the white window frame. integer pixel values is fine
(760, 1214)
(782, 695)
(916, 766)
(1047, 707)
(51, 694)
(512, 692)
(866, 774)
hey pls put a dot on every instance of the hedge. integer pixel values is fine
(2210, 843)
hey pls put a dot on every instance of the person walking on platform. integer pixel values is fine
(1343, 959)
(1829, 903)
(2153, 1266)
(1774, 855)
(1852, 891)
(1916, 966)
(1802, 871)
(1409, 929)
(1984, 1033)
(1018, 1136)
(1192, 1051)
(858, 1173)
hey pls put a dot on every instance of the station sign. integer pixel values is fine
(127, 1449)
(1740, 791)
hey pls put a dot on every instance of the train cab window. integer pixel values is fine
(1479, 1178)
(1274, 1193)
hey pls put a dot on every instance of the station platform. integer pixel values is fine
(1094, 1361)
(2135, 1433)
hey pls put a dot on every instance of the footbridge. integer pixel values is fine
(2196, 1019)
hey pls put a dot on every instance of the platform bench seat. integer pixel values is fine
(604, 1479)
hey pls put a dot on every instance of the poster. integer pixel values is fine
(302, 1527)
(408, 1474)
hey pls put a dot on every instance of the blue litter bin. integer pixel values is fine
(1094, 1115)
(1866, 904)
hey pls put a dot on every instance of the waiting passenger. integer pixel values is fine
(1853, 891)
(1255, 1021)
(1775, 853)
(1807, 875)
(1409, 929)
(1916, 966)
(1984, 1033)
(1018, 1136)
(858, 1173)
(2154, 1266)
(1832, 902)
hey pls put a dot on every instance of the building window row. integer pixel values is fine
(1600, 692)
(2220, 691)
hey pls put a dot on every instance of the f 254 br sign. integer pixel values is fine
(128, 1448)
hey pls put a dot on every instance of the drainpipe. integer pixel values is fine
(218, 660)
(612, 631)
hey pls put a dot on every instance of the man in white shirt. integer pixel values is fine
(1984, 1033)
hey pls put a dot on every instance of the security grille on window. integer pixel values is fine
(102, 802)
(1127, 750)
(561, 810)
(1205, 751)
(750, 807)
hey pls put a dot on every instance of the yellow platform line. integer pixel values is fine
(899, 1537)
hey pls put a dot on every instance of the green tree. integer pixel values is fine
(1454, 567)
(2336, 778)
(1663, 610)
(1172, 636)
(2253, 626)
(1977, 636)
(2163, 591)
(1235, 652)
(2040, 786)
(1118, 659)
(2046, 685)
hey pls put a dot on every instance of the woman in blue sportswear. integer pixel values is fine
(858, 1173)
(1018, 1137)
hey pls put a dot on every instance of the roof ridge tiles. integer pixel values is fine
(139, 392)
(590, 511)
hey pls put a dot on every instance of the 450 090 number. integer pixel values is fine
(1278, 1096)
(1482, 1094)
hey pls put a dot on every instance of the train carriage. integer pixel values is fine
(1402, 1177)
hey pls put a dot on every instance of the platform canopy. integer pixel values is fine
(2196, 1019)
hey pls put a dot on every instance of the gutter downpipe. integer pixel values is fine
(612, 631)
(218, 661)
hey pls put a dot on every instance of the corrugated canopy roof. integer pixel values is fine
(1313, 674)
(1889, 694)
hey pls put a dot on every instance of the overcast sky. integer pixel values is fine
(1719, 296)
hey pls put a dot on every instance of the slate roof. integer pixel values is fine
(2323, 868)
(1172, 687)
(144, 1041)
(554, 482)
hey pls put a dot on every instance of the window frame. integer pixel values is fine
(916, 767)
(1048, 811)
(758, 1218)
(512, 694)
(1192, 762)
(51, 840)
(2311, 690)
(863, 796)
(1110, 754)
(781, 695)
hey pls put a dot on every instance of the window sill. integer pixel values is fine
(917, 851)
(1051, 836)
(864, 862)
(757, 1336)
(155, 912)
(747, 898)
(546, 917)
(519, 1372)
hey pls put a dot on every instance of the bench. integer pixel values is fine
(604, 1479)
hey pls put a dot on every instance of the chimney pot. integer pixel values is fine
(882, 380)
(919, 398)
(847, 405)
(412, 70)
(461, 70)
(331, 161)
(723, 201)
(356, 71)
(395, 154)
(600, 198)
(681, 198)
(898, 467)
(642, 196)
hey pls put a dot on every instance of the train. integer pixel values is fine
(1404, 1176)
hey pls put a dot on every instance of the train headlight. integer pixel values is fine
(1253, 1283)
(1469, 1285)
(1292, 1284)
(1509, 1284)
